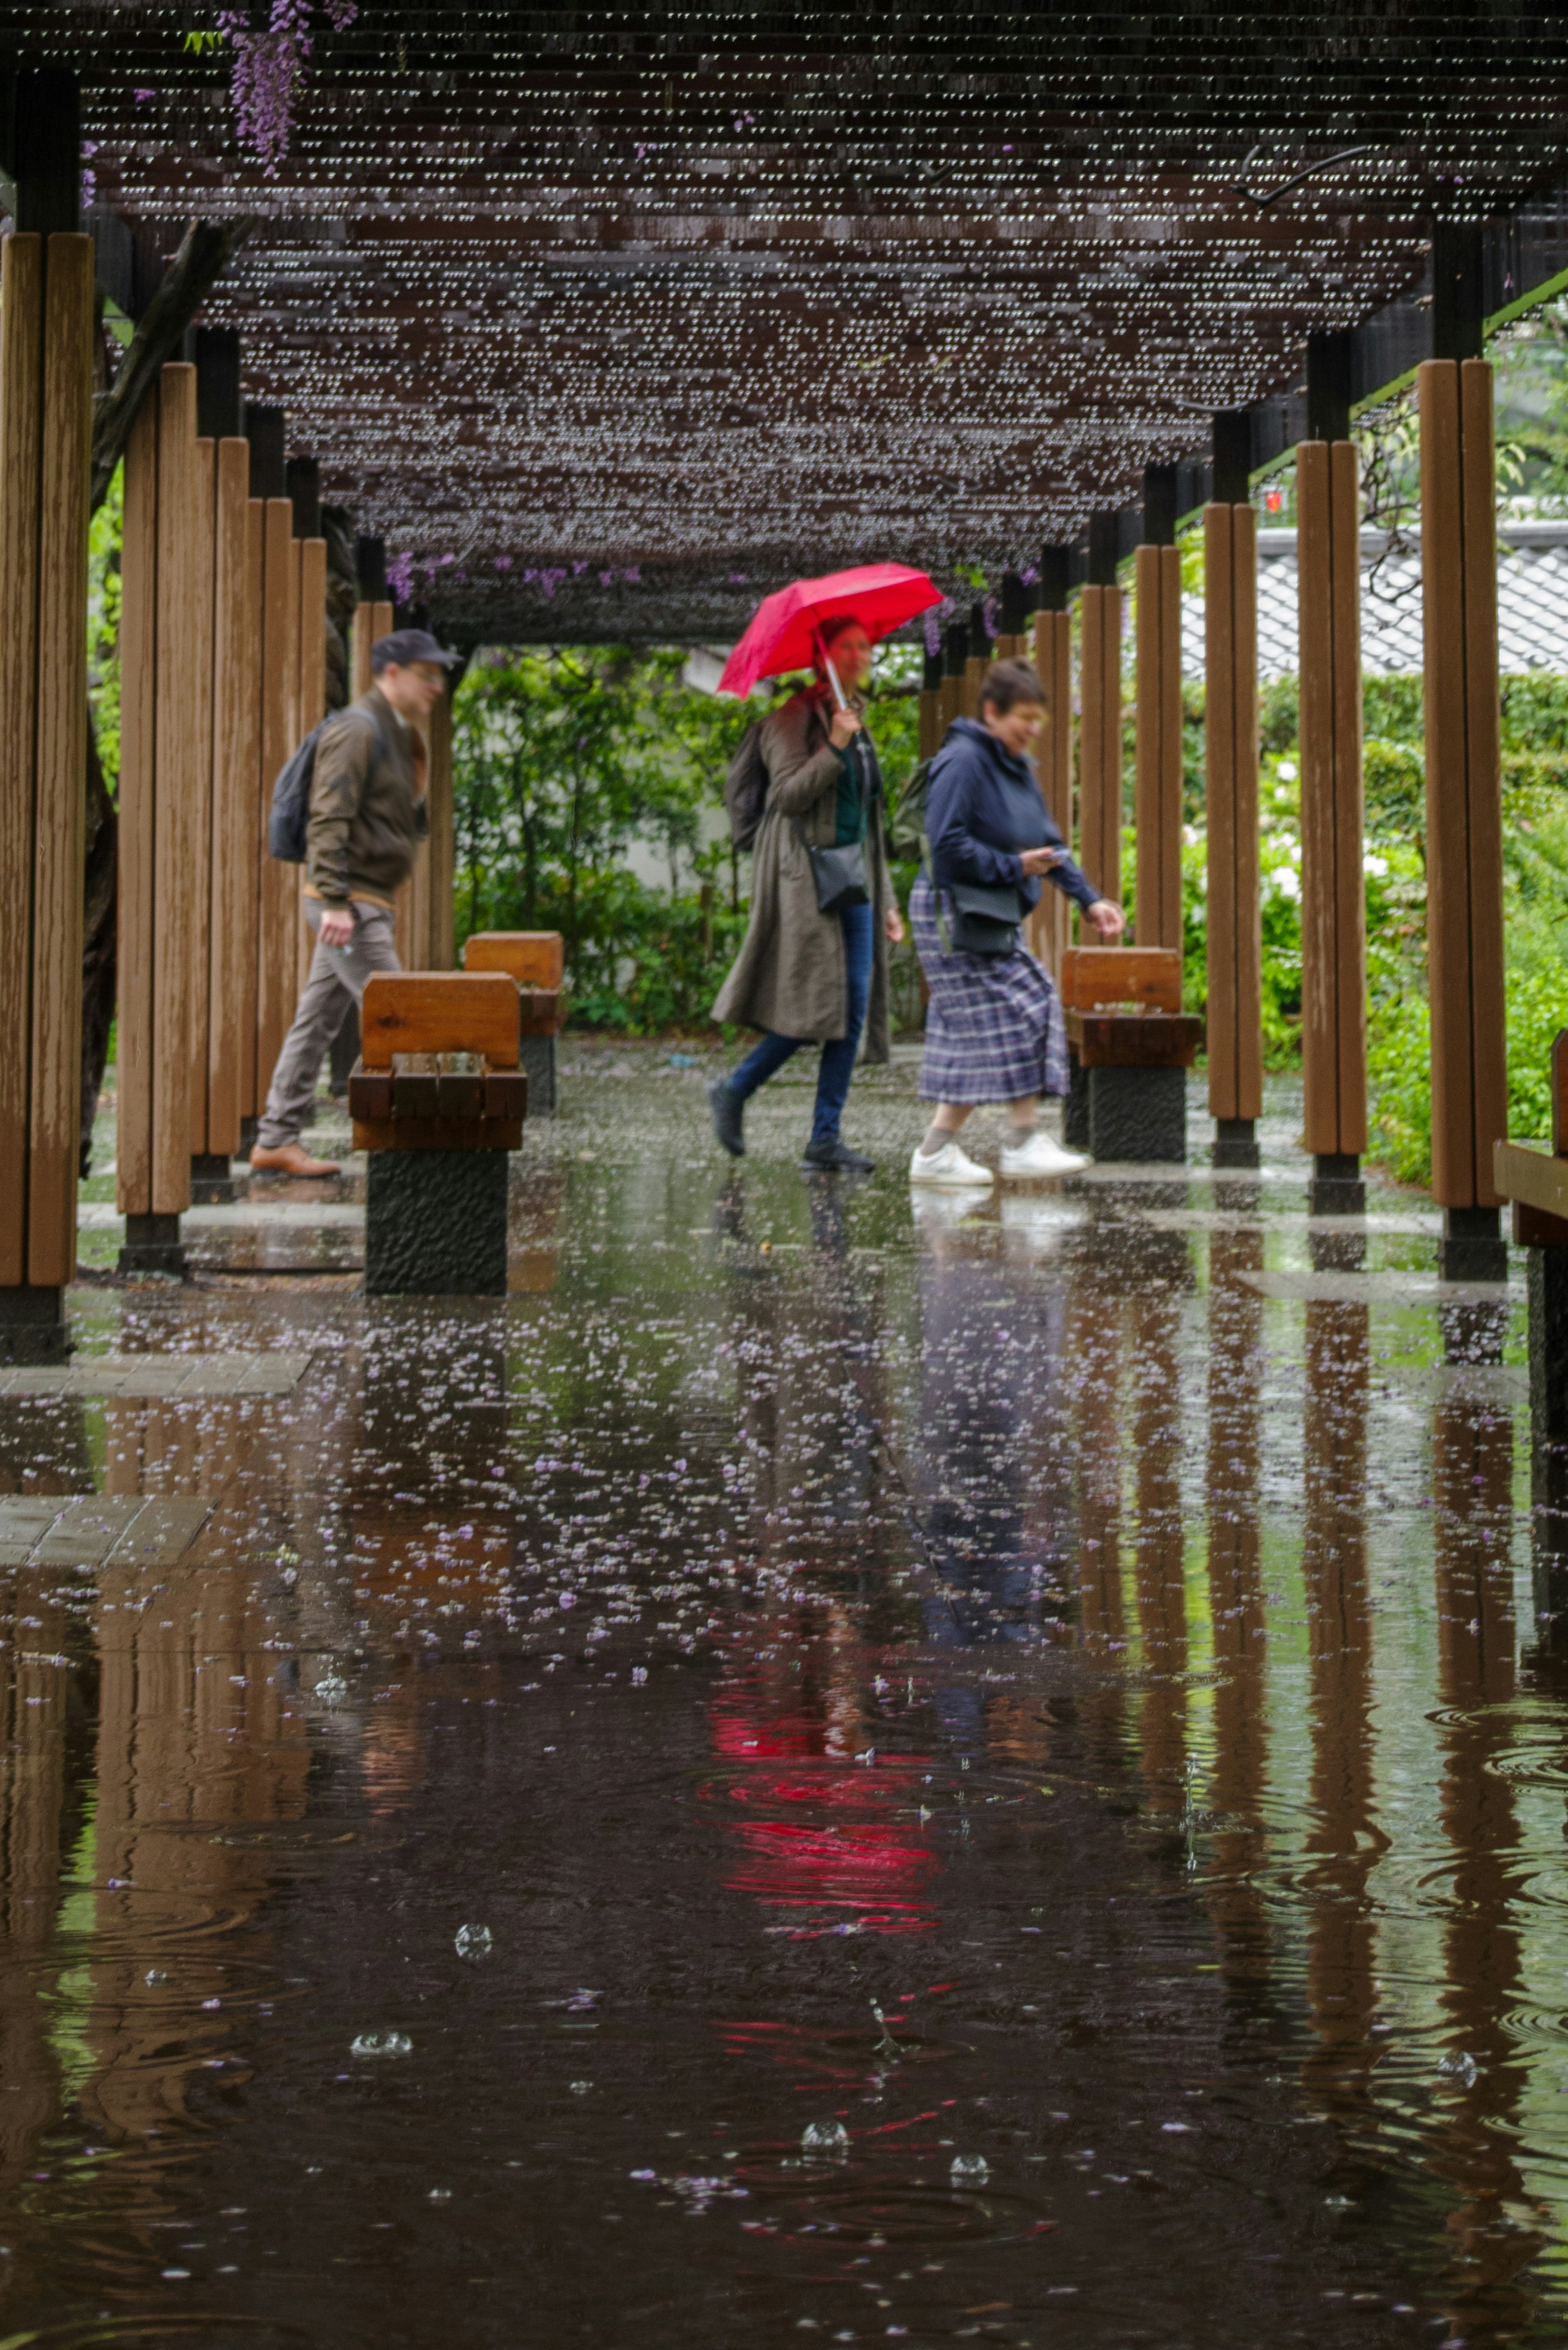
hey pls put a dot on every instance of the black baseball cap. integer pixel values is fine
(405, 646)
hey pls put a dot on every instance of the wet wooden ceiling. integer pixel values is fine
(611, 321)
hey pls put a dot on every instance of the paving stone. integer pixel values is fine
(272, 1372)
(98, 1529)
(1377, 1289)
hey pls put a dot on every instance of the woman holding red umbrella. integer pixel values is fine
(813, 966)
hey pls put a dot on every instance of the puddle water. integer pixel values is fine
(821, 1770)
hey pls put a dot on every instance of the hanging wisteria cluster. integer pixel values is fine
(267, 71)
(634, 317)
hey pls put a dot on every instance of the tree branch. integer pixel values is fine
(204, 253)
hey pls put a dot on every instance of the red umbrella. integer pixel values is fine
(782, 633)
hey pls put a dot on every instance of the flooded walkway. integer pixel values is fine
(823, 1771)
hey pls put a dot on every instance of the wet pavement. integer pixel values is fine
(821, 1771)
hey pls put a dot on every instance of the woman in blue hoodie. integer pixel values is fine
(994, 1030)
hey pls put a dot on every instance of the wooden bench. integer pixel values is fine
(1128, 1094)
(536, 960)
(1535, 1180)
(437, 1101)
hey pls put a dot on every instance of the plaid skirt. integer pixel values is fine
(994, 1029)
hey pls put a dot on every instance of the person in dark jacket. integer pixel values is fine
(994, 1030)
(368, 817)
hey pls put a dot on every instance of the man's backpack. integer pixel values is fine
(285, 826)
(290, 820)
(746, 787)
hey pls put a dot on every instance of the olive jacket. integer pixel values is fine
(366, 820)
(789, 976)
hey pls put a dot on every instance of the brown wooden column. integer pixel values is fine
(164, 778)
(1157, 757)
(1334, 899)
(1231, 771)
(203, 590)
(236, 761)
(930, 719)
(278, 888)
(246, 747)
(955, 656)
(1464, 814)
(310, 708)
(46, 379)
(441, 857)
(1100, 714)
(1050, 925)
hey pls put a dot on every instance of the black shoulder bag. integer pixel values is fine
(840, 873)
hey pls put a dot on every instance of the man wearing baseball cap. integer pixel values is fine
(368, 817)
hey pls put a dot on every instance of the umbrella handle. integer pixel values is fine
(832, 673)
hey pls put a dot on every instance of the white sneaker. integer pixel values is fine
(1040, 1156)
(952, 1168)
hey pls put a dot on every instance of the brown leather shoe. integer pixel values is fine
(289, 1159)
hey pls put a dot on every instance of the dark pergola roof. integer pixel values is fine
(615, 320)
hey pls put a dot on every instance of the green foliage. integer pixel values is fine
(103, 626)
(567, 762)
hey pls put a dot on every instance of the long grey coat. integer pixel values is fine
(789, 975)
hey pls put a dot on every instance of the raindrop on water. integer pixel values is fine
(969, 2170)
(1461, 2068)
(473, 1941)
(331, 1688)
(155, 1975)
(381, 2043)
(825, 2138)
(440, 2195)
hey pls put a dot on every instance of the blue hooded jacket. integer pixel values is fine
(982, 805)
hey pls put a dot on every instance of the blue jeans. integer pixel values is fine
(837, 1067)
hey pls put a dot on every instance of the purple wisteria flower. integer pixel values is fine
(268, 71)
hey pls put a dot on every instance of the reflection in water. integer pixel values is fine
(1240, 1761)
(922, 1902)
(1493, 2228)
(1344, 1841)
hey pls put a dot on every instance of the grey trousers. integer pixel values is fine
(338, 976)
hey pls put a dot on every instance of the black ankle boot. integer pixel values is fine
(835, 1158)
(728, 1108)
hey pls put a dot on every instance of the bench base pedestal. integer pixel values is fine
(1472, 1247)
(213, 1183)
(435, 1223)
(1548, 1278)
(32, 1327)
(1138, 1115)
(1235, 1142)
(1335, 1186)
(537, 1058)
(153, 1244)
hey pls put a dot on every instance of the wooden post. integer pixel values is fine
(166, 641)
(311, 669)
(1100, 737)
(955, 656)
(977, 662)
(1049, 927)
(1231, 766)
(204, 558)
(236, 759)
(932, 729)
(1334, 901)
(1464, 814)
(247, 748)
(441, 857)
(277, 894)
(45, 389)
(364, 622)
(1157, 756)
